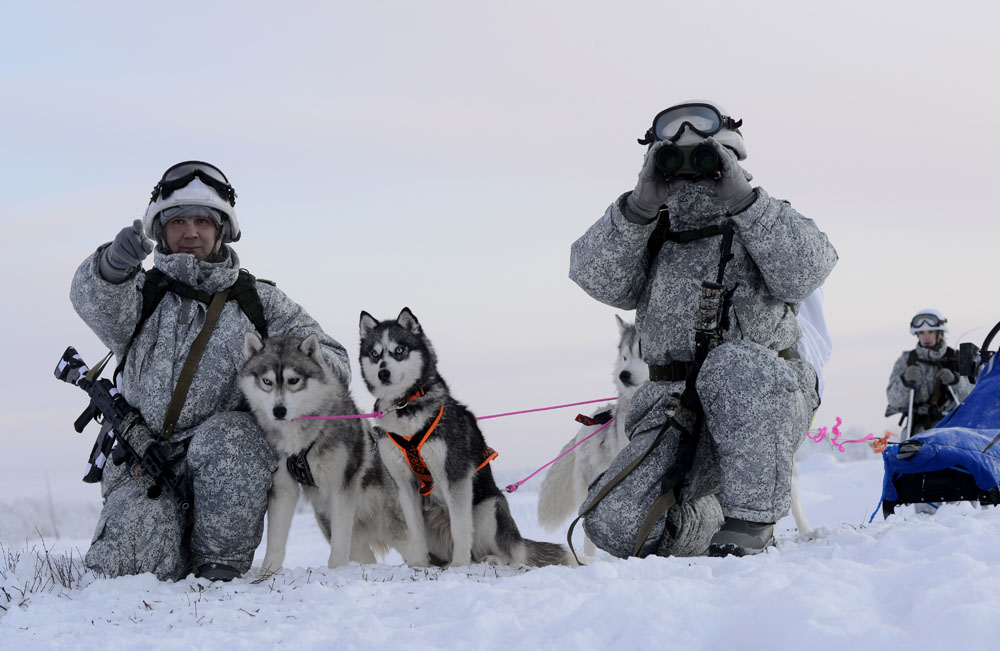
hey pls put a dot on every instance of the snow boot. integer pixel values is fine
(741, 538)
(218, 572)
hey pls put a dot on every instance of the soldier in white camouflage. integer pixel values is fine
(216, 446)
(650, 252)
(931, 371)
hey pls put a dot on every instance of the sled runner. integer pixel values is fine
(959, 458)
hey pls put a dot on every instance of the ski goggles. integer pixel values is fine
(926, 321)
(703, 119)
(179, 175)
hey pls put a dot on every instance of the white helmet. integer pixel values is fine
(689, 123)
(194, 183)
(928, 321)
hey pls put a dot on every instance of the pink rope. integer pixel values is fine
(374, 414)
(380, 414)
(835, 439)
(510, 488)
(528, 411)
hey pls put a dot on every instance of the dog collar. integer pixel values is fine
(402, 404)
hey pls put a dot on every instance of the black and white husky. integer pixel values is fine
(433, 449)
(567, 480)
(333, 462)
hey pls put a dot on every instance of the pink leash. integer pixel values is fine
(513, 487)
(510, 488)
(380, 414)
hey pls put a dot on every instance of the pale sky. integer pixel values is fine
(444, 156)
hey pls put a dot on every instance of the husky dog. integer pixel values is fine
(566, 482)
(332, 461)
(433, 449)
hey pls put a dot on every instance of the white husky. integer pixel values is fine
(567, 480)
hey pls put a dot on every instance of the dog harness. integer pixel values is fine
(411, 450)
(298, 466)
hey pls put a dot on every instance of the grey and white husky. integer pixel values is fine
(433, 449)
(332, 462)
(567, 480)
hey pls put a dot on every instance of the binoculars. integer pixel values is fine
(691, 162)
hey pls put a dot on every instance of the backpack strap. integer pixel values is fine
(157, 284)
(662, 233)
(949, 360)
(244, 292)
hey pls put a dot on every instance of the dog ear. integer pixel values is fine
(408, 321)
(252, 344)
(621, 325)
(367, 324)
(311, 347)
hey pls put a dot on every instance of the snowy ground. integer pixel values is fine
(913, 581)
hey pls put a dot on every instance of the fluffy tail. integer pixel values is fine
(540, 554)
(556, 501)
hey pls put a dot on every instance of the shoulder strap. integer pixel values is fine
(244, 292)
(191, 364)
(154, 288)
(949, 360)
(659, 235)
(662, 233)
(157, 284)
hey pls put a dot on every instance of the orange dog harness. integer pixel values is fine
(411, 450)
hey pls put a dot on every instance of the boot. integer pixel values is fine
(217, 572)
(741, 538)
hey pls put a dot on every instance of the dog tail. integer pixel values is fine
(517, 550)
(540, 554)
(556, 497)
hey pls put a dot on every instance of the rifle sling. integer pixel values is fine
(191, 364)
(614, 482)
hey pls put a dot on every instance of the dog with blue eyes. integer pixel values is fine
(433, 449)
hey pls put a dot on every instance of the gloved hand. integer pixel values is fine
(946, 376)
(125, 254)
(911, 374)
(732, 187)
(651, 191)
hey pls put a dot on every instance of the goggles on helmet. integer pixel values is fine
(922, 321)
(181, 174)
(703, 119)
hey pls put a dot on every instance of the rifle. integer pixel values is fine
(128, 428)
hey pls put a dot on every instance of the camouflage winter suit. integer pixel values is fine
(757, 404)
(931, 399)
(217, 445)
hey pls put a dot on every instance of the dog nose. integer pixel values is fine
(279, 412)
(625, 377)
(384, 375)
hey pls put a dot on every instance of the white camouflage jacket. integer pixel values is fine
(157, 355)
(780, 257)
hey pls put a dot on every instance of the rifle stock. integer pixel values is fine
(128, 427)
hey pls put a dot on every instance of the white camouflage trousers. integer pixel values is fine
(228, 469)
(757, 407)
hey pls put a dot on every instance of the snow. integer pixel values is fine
(913, 581)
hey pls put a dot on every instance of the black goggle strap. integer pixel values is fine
(165, 188)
